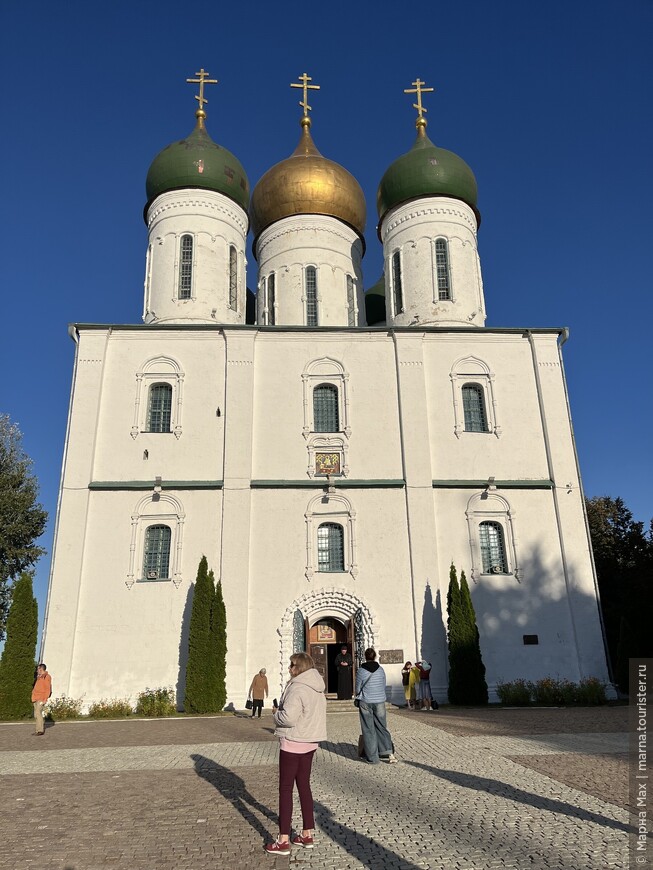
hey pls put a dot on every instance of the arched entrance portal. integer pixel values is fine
(319, 622)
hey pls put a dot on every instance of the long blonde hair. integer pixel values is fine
(302, 662)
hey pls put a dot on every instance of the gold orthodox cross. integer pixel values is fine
(304, 79)
(419, 90)
(202, 80)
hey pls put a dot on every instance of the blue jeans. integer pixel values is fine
(376, 736)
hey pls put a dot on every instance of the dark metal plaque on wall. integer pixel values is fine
(391, 656)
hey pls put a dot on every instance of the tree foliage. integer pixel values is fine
(623, 554)
(219, 633)
(466, 669)
(17, 664)
(22, 518)
(198, 671)
(207, 646)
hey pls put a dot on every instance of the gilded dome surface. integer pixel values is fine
(426, 170)
(197, 161)
(307, 183)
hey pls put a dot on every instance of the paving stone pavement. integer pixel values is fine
(456, 801)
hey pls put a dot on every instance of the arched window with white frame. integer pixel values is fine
(397, 287)
(491, 524)
(442, 271)
(351, 301)
(270, 298)
(311, 296)
(159, 408)
(493, 548)
(233, 278)
(330, 547)
(325, 408)
(156, 553)
(474, 408)
(185, 267)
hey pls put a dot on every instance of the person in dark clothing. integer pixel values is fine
(345, 666)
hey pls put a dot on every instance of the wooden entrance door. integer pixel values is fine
(318, 654)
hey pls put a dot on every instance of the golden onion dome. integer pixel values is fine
(307, 183)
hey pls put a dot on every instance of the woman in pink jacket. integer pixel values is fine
(301, 723)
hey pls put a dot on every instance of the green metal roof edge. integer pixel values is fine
(150, 484)
(499, 484)
(321, 482)
(219, 327)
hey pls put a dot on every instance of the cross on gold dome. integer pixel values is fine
(419, 90)
(202, 80)
(305, 79)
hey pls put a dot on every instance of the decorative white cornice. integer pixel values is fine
(334, 227)
(198, 203)
(417, 210)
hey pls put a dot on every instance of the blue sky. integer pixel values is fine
(548, 103)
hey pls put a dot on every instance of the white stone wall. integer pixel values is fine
(287, 247)
(411, 229)
(215, 223)
(239, 489)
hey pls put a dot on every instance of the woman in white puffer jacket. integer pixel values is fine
(301, 723)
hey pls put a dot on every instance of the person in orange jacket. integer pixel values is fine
(41, 692)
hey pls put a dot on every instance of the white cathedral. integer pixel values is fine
(331, 451)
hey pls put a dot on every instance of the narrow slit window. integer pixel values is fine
(396, 283)
(156, 554)
(325, 409)
(330, 547)
(351, 301)
(186, 267)
(233, 278)
(271, 299)
(474, 408)
(159, 408)
(311, 296)
(493, 548)
(442, 269)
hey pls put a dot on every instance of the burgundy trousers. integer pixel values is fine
(295, 768)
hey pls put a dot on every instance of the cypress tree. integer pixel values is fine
(455, 635)
(198, 681)
(219, 633)
(475, 685)
(17, 665)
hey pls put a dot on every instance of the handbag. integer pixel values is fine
(361, 746)
(248, 704)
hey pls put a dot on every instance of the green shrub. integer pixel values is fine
(569, 693)
(63, 707)
(156, 702)
(516, 693)
(591, 691)
(17, 665)
(113, 708)
(546, 692)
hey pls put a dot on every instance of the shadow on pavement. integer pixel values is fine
(512, 793)
(359, 846)
(235, 791)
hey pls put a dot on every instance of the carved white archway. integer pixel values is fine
(314, 605)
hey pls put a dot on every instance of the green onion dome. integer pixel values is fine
(375, 303)
(426, 170)
(197, 162)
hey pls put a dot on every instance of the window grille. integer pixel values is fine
(396, 283)
(159, 408)
(156, 555)
(474, 408)
(298, 632)
(330, 547)
(311, 296)
(186, 267)
(233, 278)
(325, 409)
(493, 548)
(442, 268)
(351, 301)
(271, 299)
